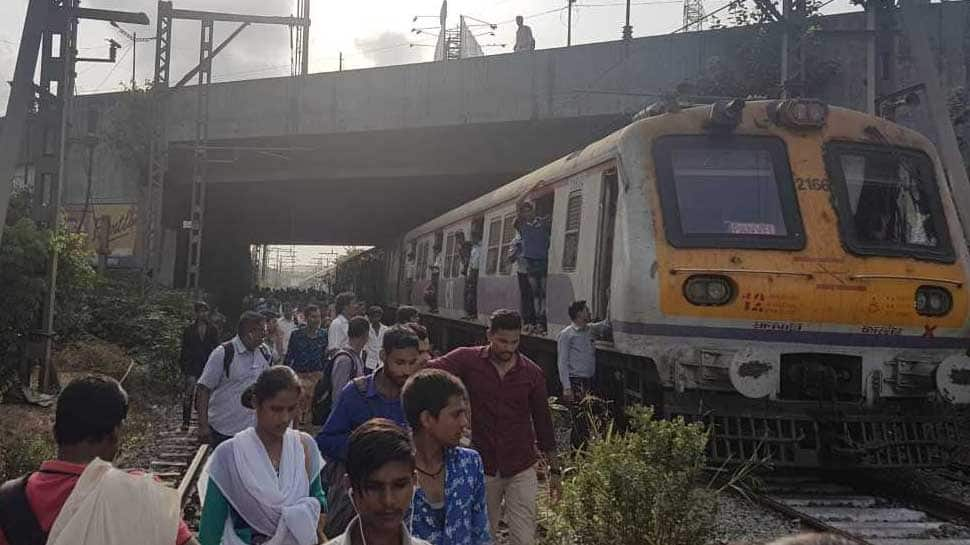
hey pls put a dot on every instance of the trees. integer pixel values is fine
(753, 67)
(23, 264)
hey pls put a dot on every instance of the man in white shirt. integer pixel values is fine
(345, 306)
(287, 325)
(224, 379)
(375, 337)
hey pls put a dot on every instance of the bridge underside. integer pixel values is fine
(365, 188)
(357, 188)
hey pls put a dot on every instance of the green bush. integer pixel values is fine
(149, 325)
(23, 282)
(637, 488)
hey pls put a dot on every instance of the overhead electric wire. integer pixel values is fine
(113, 68)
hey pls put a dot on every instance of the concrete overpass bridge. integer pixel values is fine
(359, 156)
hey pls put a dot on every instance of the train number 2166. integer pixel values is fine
(812, 184)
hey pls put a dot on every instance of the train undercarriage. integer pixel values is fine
(789, 432)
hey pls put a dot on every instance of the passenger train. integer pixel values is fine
(793, 274)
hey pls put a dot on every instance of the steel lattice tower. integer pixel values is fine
(693, 15)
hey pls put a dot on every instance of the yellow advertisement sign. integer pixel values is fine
(111, 228)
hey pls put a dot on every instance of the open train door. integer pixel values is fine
(603, 273)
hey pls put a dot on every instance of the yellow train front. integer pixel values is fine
(791, 273)
(796, 275)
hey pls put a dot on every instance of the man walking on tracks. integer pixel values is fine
(79, 498)
(199, 339)
(307, 353)
(374, 336)
(345, 306)
(377, 395)
(509, 410)
(233, 367)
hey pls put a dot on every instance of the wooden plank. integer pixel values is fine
(190, 475)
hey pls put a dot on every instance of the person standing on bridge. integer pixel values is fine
(199, 339)
(345, 306)
(523, 36)
(232, 368)
(510, 414)
(306, 354)
(79, 498)
(264, 483)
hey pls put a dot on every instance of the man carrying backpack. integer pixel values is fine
(232, 367)
(377, 395)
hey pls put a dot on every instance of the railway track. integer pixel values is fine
(867, 518)
(178, 463)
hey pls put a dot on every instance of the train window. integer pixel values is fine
(494, 236)
(727, 192)
(888, 201)
(570, 245)
(508, 236)
(422, 260)
(453, 245)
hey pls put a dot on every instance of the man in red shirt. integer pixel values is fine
(90, 412)
(510, 410)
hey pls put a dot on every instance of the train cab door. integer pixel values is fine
(603, 271)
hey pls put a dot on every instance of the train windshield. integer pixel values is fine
(727, 192)
(888, 201)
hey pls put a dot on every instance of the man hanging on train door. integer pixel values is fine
(535, 232)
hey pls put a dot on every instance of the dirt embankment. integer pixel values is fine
(26, 436)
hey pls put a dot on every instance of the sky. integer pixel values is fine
(374, 33)
(367, 34)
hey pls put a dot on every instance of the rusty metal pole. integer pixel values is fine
(21, 96)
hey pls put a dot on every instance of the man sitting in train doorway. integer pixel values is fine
(535, 230)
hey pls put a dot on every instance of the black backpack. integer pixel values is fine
(229, 352)
(322, 402)
(18, 522)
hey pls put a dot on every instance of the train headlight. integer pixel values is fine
(801, 113)
(933, 301)
(708, 290)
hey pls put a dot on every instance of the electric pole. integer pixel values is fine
(627, 28)
(569, 22)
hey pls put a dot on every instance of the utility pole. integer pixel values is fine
(569, 23)
(158, 157)
(793, 49)
(627, 28)
(340, 68)
(21, 97)
(135, 40)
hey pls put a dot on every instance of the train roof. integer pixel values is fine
(601, 150)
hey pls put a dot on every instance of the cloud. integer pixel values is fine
(388, 48)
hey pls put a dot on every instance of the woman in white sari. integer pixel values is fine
(264, 483)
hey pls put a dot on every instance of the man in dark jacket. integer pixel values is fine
(199, 339)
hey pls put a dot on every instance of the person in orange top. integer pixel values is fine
(87, 427)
